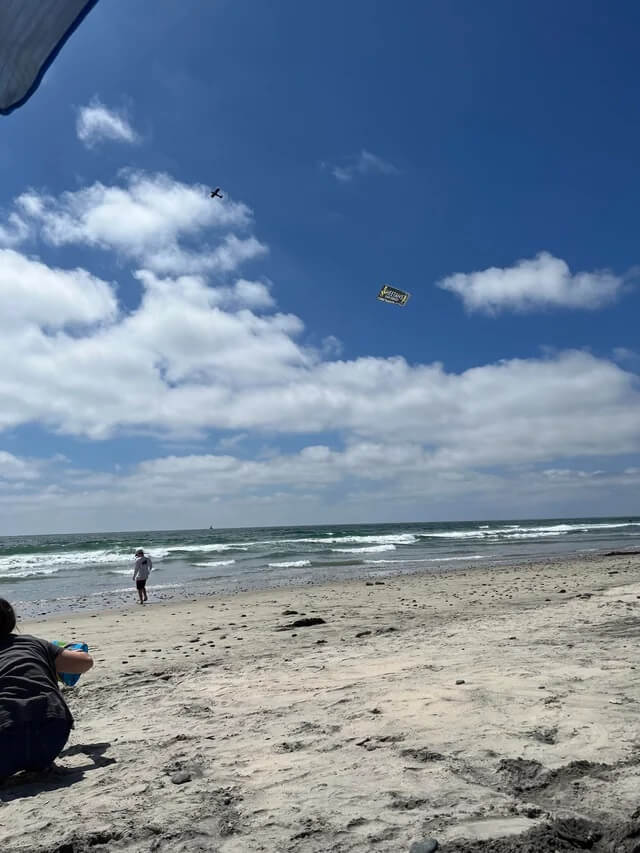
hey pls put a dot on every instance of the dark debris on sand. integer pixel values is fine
(560, 835)
(423, 754)
(217, 819)
(544, 735)
(76, 843)
(523, 776)
(307, 622)
(621, 553)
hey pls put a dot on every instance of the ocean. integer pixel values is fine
(46, 574)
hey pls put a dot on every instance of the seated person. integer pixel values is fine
(34, 718)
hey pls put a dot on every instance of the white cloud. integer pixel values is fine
(331, 347)
(365, 480)
(16, 231)
(226, 257)
(196, 355)
(253, 294)
(31, 293)
(97, 123)
(365, 163)
(191, 358)
(532, 285)
(14, 468)
(571, 475)
(145, 220)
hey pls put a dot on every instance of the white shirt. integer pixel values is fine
(142, 569)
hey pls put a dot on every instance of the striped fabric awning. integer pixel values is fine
(32, 32)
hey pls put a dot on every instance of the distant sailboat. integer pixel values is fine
(211, 527)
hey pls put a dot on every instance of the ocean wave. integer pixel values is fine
(368, 549)
(465, 534)
(291, 564)
(519, 531)
(208, 548)
(283, 554)
(435, 559)
(71, 558)
(27, 575)
(214, 563)
(52, 563)
(381, 539)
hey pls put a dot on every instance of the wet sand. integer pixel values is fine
(491, 710)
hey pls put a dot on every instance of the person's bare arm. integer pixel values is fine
(73, 663)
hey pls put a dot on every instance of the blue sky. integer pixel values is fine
(484, 158)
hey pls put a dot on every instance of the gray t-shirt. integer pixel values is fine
(28, 682)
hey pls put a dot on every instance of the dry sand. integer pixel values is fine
(203, 728)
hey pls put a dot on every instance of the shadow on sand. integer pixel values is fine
(31, 784)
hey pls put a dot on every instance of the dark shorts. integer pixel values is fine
(141, 584)
(31, 746)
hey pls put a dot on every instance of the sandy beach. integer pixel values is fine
(467, 707)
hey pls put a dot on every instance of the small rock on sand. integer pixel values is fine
(181, 777)
(429, 845)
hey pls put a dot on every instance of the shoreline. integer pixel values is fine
(81, 572)
(469, 705)
(125, 598)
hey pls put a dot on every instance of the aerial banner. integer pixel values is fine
(393, 295)
(32, 33)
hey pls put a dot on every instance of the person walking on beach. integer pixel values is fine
(34, 718)
(141, 574)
